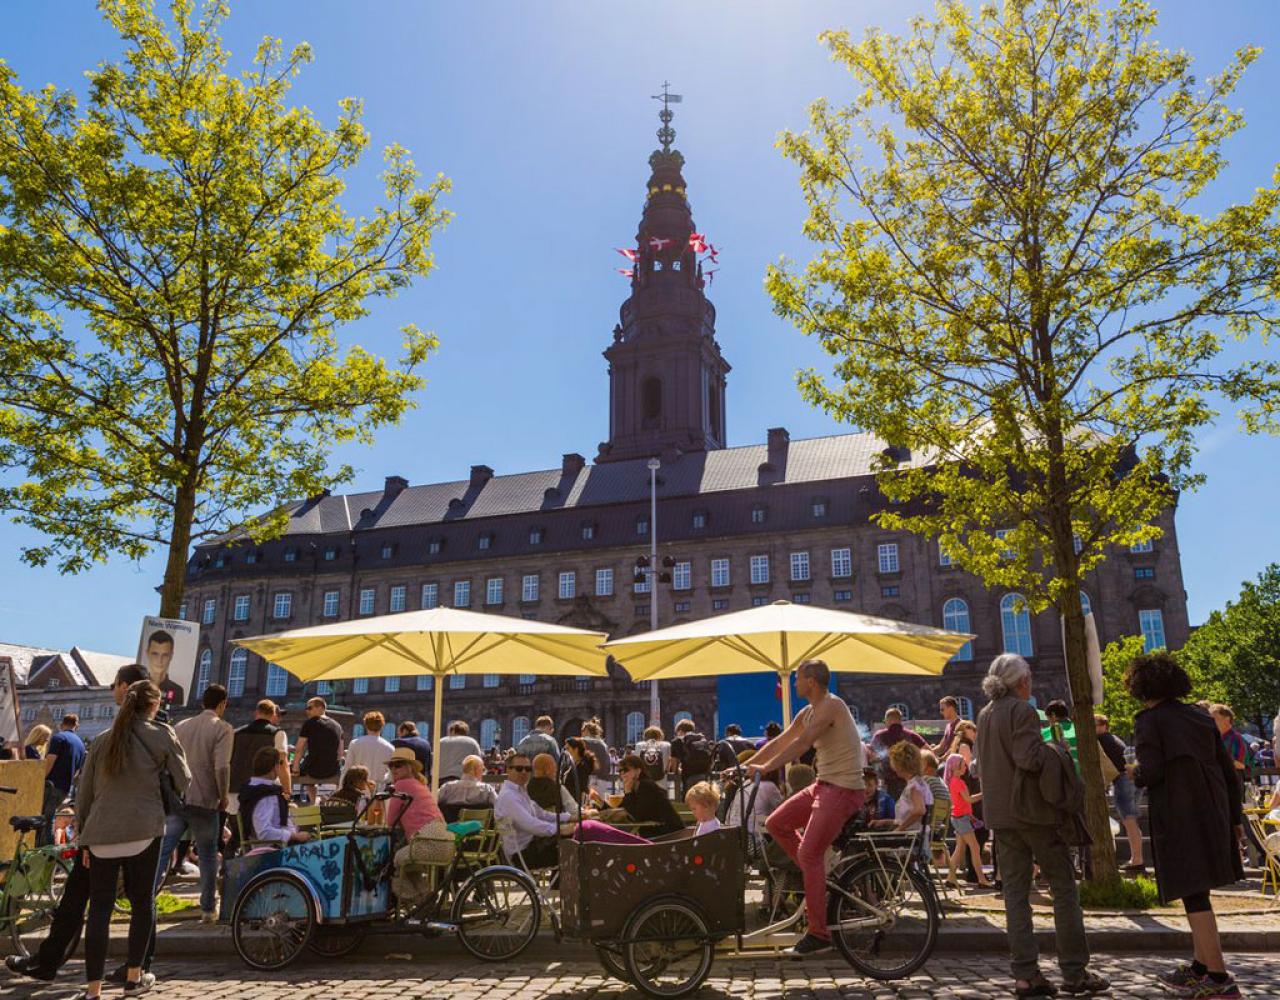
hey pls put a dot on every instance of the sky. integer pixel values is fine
(541, 116)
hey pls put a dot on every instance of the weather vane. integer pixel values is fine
(666, 134)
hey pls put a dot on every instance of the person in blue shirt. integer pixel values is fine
(879, 803)
(62, 760)
(407, 735)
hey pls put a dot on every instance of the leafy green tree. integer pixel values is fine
(1234, 657)
(1014, 285)
(1117, 704)
(175, 265)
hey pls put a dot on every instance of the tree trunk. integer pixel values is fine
(175, 570)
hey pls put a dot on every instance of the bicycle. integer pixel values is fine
(33, 883)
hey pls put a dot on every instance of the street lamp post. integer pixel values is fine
(655, 707)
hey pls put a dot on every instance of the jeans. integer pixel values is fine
(139, 875)
(1019, 847)
(821, 811)
(206, 830)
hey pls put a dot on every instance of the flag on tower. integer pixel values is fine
(658, 243)
(626, 272)
(628, 253)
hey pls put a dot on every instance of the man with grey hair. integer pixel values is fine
(1009, 742)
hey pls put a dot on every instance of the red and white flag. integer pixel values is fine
(658, 243)
(697, 243)
(626, 272)
(711, 275)
(713, 254)
(628, 253)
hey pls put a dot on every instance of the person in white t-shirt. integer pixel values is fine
(370, 750)
(703, 799)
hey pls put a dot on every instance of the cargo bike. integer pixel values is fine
(328, 894)
(659, 914)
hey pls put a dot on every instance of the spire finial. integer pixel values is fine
(666, 134)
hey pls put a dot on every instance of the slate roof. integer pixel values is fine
(26, 659)
(810, 460)
(86, 667)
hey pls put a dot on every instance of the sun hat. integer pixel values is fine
(406, 755)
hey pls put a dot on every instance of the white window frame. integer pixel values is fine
(209, 612)
(635, 724)
(760, 568)
(488, 733)
(205, 673)
(360, 685)
(330, 605)
(956, 618)
(237, 670)
(944, 557)
(282, 605)
(519, 729)
(462, 593)
(492, 680)
(529, 586)
(567, 585)
(842, 563)
(457, 682)
(799, 567)
(391, 685)
(1086, 603)
(720, 572)
(1141, 547)
(398, 598)
(682, 575)
(493, 590)
(430, 596)
(240, 609)
(368, 600)
(1151, 623)
(277, 681)
(1015, 625)
(604, 582)
(887, 560)
(425, 682)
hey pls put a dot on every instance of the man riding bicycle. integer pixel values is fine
(806, 824)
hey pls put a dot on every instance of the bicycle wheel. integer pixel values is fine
(34, 894)
(497, 913)
(273, 921)
(884, 923)
(613, 962)
(668, 949)
(337, 940)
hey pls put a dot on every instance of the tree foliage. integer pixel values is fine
(1117, 704)
(1234, 657)
(1014, 283)
(175, 264)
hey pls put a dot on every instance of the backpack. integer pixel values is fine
(698, 754)
(651, 759)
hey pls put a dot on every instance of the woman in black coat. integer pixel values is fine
(1194, 803)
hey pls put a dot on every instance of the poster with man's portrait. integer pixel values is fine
(167, 648)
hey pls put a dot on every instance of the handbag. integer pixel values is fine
(170, 798)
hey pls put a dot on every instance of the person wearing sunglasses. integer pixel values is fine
(529, 830)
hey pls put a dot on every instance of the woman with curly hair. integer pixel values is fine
(1194, 802)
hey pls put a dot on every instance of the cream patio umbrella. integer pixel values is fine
(775, 638)
(439, 642)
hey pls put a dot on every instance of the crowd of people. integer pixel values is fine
(1000, 787)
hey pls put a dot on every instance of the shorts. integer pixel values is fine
(962, 825)
(1126, 797)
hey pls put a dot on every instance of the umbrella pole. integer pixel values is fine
(435, 735)
(784, 679)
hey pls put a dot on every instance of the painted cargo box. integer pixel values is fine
(331, 866)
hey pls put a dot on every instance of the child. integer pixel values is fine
(962, 821)
(703, 799)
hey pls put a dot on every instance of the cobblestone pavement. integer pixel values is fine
(455, 978)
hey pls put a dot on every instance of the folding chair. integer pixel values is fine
(939, 824)
(1262, 830)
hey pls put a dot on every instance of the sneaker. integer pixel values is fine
(144, 985)
(188, 870)
(1208, 989)
(208, 917)
(21, 965)
(808, 945)
(1179, 979)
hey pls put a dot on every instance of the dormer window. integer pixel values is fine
(290, 555)
(818, 508)
(330, 553)
(434, 546)
(220, 561)
(388, 550)
(251, 557)
(642, 526)
(535, 536)
(759, 514)
(484, 541)
(699, 521)
(588, 531)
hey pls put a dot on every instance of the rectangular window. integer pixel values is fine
(682, 606)
(529, 587)
(604, 583)
(759, 601)
(588, 532)
(391, 685)
(283, 605)
(493, 590)
(484, 541)
(434, 546)
(430, 596)
(1005, 551)
(388, 551)
(1077, 543)
(1151, 621)
(720, 604)
(535, 536)
(425, 682)
(760, 569)
(889, 591)
(944, 557)
(251, 557)
(699, 521)
(719, 572)
(568, 585)
(210, 612)
(818, 508)
(462, 594)
(366, 600)
(182, 611)
(398, 598)
(277, 681)
(330, 554)
(759, 514)
(843, 596)
(642, 583)
(240, 612)
(491, 680)
(1147, 546)
(804, 597)
(642, 526)
(324, 688)
(360, 685)
(290, 555)
(330, 604)
(642, 611)
(799, 566)
(457, 682)
(887, 557)
(1144, 573)
(841, 563)
(682, 576)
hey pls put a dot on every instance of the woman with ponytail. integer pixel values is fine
(121, 815)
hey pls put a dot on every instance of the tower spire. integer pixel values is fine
(666, 134)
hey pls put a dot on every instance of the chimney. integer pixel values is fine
(571, 464)
(393, 487)
(779, 441)
(480, 474)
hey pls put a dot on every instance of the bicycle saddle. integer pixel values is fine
(26, 824)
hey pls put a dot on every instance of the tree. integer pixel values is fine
(190, 222)
(1117, 704)
(1015, 287)
(1234, 657)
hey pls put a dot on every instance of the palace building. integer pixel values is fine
(737, 526)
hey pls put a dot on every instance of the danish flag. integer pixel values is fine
(697, 243)
(711, 275)
(629, 254)
(658, 243)
(713, 254)
(626, 272)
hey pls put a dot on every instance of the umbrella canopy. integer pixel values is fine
(776, 637)
(439, 642)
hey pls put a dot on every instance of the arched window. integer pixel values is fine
(904, 708)
(519, 729)
(236, 675)
(1015, 623)
(635, 727)
(488, 733)
(955, 616)
(1086, 605)
(966, 707)
(651, 400)
(277, 681)
(206, 668)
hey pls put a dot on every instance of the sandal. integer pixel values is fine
(1088, 985)
(1037, 986)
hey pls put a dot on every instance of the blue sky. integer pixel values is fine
(540, 114)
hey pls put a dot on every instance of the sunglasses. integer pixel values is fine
(398, 763)
(520, 767)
